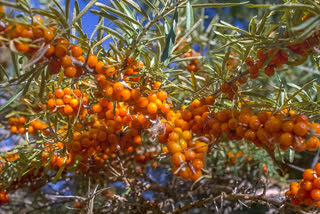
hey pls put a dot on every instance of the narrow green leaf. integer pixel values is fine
(11, 100)
(190, 18)
(118, 13)
(26, 87)
(76, 11)
(2, 70)
(44, 76)
(258, 5)
(58, 174)
(79, 29)
(124, 26)
(170, 37)
(306, 23)
(304, 7)
(216, 5)
(67, 9)
(98, 26)
(15, 64)
(291, 155)
(227, 25)
(136, 7)
(115, 34)
(59, 17)
(79, 15)
(100, 31)
(58, 6)
(253, 26)
(150, 5)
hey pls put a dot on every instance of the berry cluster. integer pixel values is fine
(271, 59)
(56, 158)
(67, 101)
(19, 125)
(193, 65)
(274, 58)
(264, 129)
(307, 191)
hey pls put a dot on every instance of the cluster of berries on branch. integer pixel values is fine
(307, 191)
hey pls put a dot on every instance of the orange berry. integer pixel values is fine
(60, 161)
(152, 97)
(67, 91)
(142, 102)
(312, 144)
(308, 175)
(76, 51)
(66, 61)
(92, 61)
(300, 129)
(96, 108)
(22, 130)
(301, 118)
(74, 103)
(250, 135)
(254, 123)
(190, 155)
(77, 92)
(316, 127)
(50, 50)
(59, 93)
(60, 50)
(316, 183)
(118, 87)
(178, 158)
(165, 149)
(37, 19)
(135, 94)
(315, 194)
(156, 85)
(195, 176)
(185, 172)
(137, 140)
(197, 164)
(152, 108)
(187, 135)
(67, 98)
(287, 126)
(263, 117)
(70, 71)
(317, 169)
(201, 147)
(48, 35)
(162, 95)
(125, 95)
(209, 100)
(14, 129)
(306, 185)
(174, 147)
(273, 125)
(22, 47)
(68, 109)
(286, 139)
(244, 118)
(22, 120)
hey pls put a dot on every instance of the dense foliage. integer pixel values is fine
(163, 108)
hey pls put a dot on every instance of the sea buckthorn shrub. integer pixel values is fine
(163, 94)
